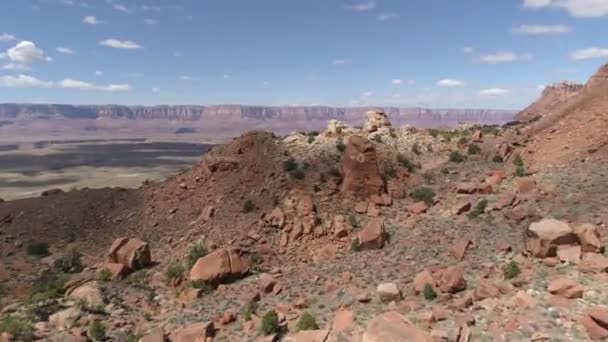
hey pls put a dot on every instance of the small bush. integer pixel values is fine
(21, 329)
(255, 260)
(456, 157)
(311, 139)
(270, 323)
(474, 149)
(298, 174)
(433, 132)
(520, 171)
(307, 322)
(352, 219)
(196, 252)
(498, 159)
(428, 292)
(201, 285)
(249, 310)
(139, 280)
(479, 209)
(355, 245)
(340, 146)
(105, 275)
(48, 286)
(377, 138)
(316, 188)
(518, 161)
(290, 165)
(389, 170)
(97, 332)
(132, 338)
(69, 262)
(334, 172)
(424, 194)
(463, 140)
(37, 249)
(174, 271)
(511, 270)
(248, 206)
(429, 147)
(406, 163)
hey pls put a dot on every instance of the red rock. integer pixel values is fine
(361, 207)
(207, 213)
(343, 319)
(589, 237)
(466, 188)
(418, 208)
(599, 315)
(566, 288)
(451, 280)
(340, 227)
(362, 177)
(372, 236)
(308, 336)
(494, 180)
(504, 247)
(325, 253)
(155, 336)
(133, 253)
(525, 186)
(301, 303)
(543, 237)
(571, 254)
(477, 136)
(463, 208)
(460, 248)
(551, 262)
(593, 263)
(594, 330)
(276, 218)
(227, 318)
(484, 188)
(486, 289)
(372, 210)
(118, 271)
(267, 283)
(422, 279)
(193, 332)
(218, 267)
(464, 301)
(391, 326)
(511, 325)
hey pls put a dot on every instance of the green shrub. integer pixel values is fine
(355, 245)
(255, 261)
(21, 329)
(105, 275)
(474, 149)
(334, 172)
(290, 165)
(416, 149)
(463, 140)
(202, 285)
(424, 194)
(406, 163)
(311, 139)
(428, 292)
(37, 249)
(377, 138)
(340, 146)
(248, 206)
(518, 161)
(132, 338)
(298, 174)
(174, 271)
(520, 171)
(429, 147)
(196, 252)
(456, 157)
(249, 310)
(433, 132)
(316, 188)
(69, 262)
(511, 270)
(389, 170)
(479, 209)
(97, 332)
(497, 159)
(270, 323)
(47, 286)
(307, 322)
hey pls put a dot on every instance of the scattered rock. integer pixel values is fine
(376, 119)
(589, 237)
(565, 287)
(543, 237)
(451, 280)
(593, 263)
(360, 168)
(391, 326)
(218, 267)
(133, 253)
(373, 235)
(388, 292)
(193, 332)
(418, 208)
(460, 248)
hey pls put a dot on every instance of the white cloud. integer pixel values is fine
(156, 90)
(542, 29)
(91, 20)
(503, 57)
(590, 53)
(450, 83)
(120, 44)
(150, 21)
(576, 8)
(367, 94)
(362, 7)
(226, 76)
(396, 82)
(388, 16)
(541, 87)
(339, 62)
(467, 50)
(116, 87)
(64, 50)
(23, 81)
(69, 83)
(494, 92)
(188, 78)
(121, 8)
(23, 55)
(5, 37)
(98, 73)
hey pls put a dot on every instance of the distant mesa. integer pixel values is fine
(185, 130)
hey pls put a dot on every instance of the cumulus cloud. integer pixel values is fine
(23, 55)
(23, 81)
(156, 90)
(189, 78)
(450, 83)
(64, 50)
(542, 29)
(387, 16)
(69, 83)
(5, 37)
(494, 92)
(590, 53)
(396, 82)
(91, 20)
(121, 8)
(98, 73)
(120, 44)
(576, 8)
(339, 62)
(467, 50)
(503, 57)
(362, 6)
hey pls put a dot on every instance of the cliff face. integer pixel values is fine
(553, 98)
(248, 113)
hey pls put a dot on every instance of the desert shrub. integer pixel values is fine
(307, 322)
(255, 261)
(392, 133)
(340, 146)
(47, 286)
(21, 329)
(463, 140)
(511, 270)
(520, 171)
(474, 149)
(433, 132)
(298, 174)
(275, 200)
(311, 139)
(201, 285)
(416, 149)
(518, 161)
(97, 332)
(249, 310)
(105, 275)
(377, 138)
(248, 206)
(132, 338)
(270, 323)
(334, 172)
(479, 209)
(316, 188)
(486, 129)
(138, 280)
(406, 163)
(175, 270)
(352, 219)
(456, 157)
(290, 165)
(69, 262)
(429, 147)
(37, 249)
(355, 245)
(424, 194)
(497, 159)
(196, 252)
(428, 292)
(389, 170)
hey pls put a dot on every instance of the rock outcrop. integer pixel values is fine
(360, 168)
(133, 253)
(221, 266)
(376, 119)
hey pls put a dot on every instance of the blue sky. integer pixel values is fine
(435, 53)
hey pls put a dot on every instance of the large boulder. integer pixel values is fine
(334, 127)
(376, 119)
(133, 253)
(221, 266)
(193, 332)
(589, 238)
(373, 235)
(360, 168)
(543, 237)
(392, 326)
(88, 293)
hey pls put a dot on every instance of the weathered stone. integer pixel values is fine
(451, 280)
(391, 326)
(593, 263)
(388, 292)
(543, 237)
(193, 332)
(372, 236)
(218, 267)
(133, 253)
(565, 287)
(360, 168)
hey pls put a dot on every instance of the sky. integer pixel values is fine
(495, 54)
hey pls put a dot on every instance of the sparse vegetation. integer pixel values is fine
(406, 163)
(479, 209)
(196, 252)
(255, 261)
(520, 170)
(416, 149)
(69, 262)
(463, 140)
(202, 285)
(433, 132)
(97, 332)
(20, 328)
(334, 172)
(298, 174)
(48, 286)
(270, 323)
(248, 206)
(497, 159)
(174, 271)
(456, 157)
(423, 194)
(290, 165)
(389, 170)
(511, 270)
(355, 245)
(307, 322)
(474, 149)
(104, 275)
(429, 293)
(377, 138)
(139, 280)
(340, 146)
(249, 310)
(37, 249)
(312, 136)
